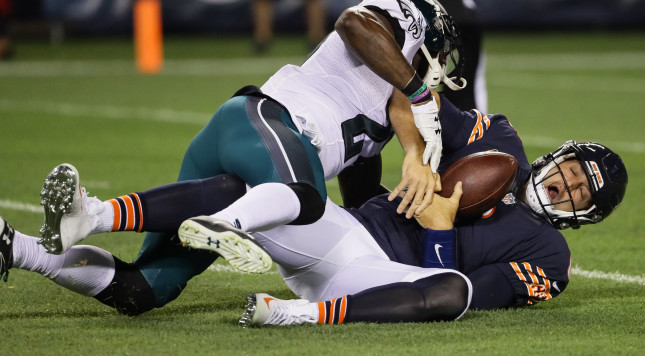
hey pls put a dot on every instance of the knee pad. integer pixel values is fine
(312, 206)
(129, 293)
(447, 295)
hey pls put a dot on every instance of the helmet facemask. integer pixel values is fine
(606, 176)
(537, 196)
(441, 41)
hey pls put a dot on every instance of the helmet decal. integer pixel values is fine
(598, 181)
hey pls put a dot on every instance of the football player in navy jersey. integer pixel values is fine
(371, 263)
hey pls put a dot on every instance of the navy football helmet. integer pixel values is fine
(441, 38)
(605, 172)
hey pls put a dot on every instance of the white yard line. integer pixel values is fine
(189, 67)
(520, 62)
(114, 112)
(614, 276)
(18, 206)
(111, 112)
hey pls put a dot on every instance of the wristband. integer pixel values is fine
(422, 96)
(439, 249)
(415, 87)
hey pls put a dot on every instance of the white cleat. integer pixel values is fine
(70, 215)
(263, 309)
(234, 245)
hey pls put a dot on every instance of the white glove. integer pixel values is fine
(426, 118)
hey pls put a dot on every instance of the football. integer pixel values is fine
(486, 177)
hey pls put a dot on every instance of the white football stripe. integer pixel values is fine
(615, 276)
(14, 205)
(111, 112)
(188, 117)
(188, 67)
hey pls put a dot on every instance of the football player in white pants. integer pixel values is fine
(335, 262)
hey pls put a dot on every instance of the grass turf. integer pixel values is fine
(84, 103)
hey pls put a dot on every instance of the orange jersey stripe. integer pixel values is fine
(530, 271)
(547, 283)
(117, 215)
(517, 270)
(476, 129)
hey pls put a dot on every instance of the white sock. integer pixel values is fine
(86, 270)
(263, 207)
(106, 218)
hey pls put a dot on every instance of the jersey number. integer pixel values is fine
(361, 124)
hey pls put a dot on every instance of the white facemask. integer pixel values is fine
(436, 73)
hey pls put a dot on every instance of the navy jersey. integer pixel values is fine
(512, 255)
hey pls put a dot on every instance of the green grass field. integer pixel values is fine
(84, 103)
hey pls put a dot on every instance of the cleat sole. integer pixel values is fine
(235, 246)
(249, 311)
(56, 198)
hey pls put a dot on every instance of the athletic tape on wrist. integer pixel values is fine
(415, 88)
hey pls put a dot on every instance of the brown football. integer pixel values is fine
(486, 177)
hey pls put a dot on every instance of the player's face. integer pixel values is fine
(578, 185)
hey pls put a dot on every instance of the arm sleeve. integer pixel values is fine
(503, 285)
(460, 128)
(361, 181)
(491, 289)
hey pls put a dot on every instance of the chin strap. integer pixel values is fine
(449, 82)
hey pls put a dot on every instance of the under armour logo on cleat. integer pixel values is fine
(216, 242)
(5, 236)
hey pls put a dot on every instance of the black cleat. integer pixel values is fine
(6, 248)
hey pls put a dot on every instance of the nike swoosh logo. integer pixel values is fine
(436, 250)
(267, 300)
(555, 285)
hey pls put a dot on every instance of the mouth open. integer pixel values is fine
(553, 192)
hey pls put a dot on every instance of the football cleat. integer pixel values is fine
(70, 215)
(263, 309)
(6, 248)
(234, 245)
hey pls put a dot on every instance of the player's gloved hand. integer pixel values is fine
(426, 118)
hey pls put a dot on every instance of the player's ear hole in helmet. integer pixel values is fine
(442, 38)
(605, 173)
